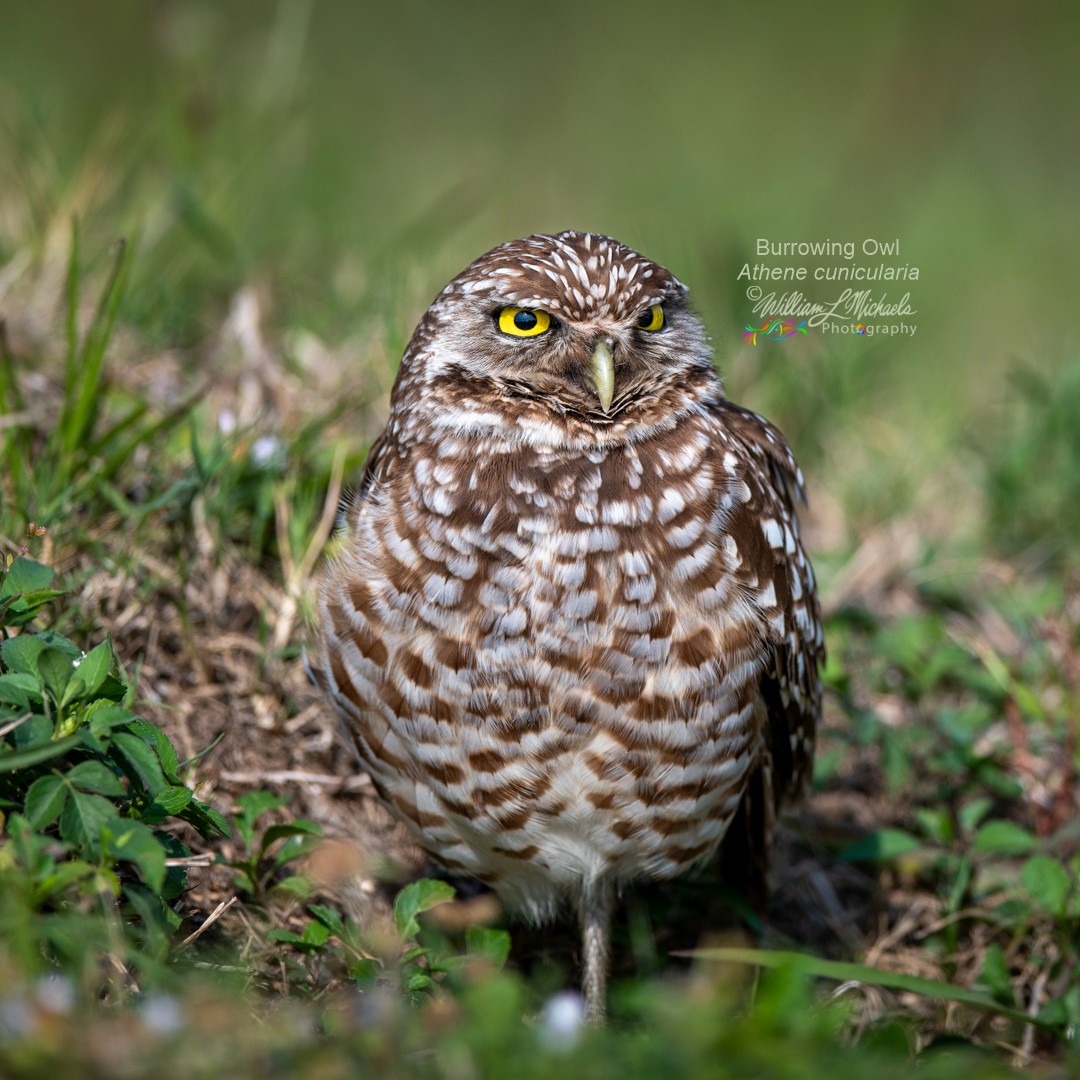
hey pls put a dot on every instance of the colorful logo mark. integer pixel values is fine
(774, 330)
(860, 328)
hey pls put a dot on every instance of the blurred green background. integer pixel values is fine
(300, 177)
(350, 158)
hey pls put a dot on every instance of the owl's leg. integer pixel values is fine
(597, 901)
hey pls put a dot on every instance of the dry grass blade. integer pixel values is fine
(297, 571)
(190, 862)
(210, 920)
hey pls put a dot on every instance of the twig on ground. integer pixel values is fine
(356, 782)
(210, 920)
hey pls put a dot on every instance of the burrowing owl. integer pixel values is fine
(571, 628)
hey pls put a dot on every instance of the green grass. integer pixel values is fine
(216, 233)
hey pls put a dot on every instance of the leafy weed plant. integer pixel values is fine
(979, 749)
(87, 788)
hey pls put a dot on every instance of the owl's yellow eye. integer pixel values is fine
(651, 319)
(523, 322)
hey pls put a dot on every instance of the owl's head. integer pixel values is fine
(574, 325)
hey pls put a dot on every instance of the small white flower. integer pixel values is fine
(226, 422)
(56, 993)
(562, 1021)
(161, 1013)
(267, 450)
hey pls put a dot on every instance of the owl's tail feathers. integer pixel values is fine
(594, 913)
(744, 853)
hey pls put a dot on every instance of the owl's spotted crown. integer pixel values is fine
(577, 276)
(556, 340)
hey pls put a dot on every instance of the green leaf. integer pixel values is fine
(24, 591)
(838, 971)
(17, 688)
(45, 799)
(134, 842)
(91, 672)
(362, 968)
(55, 670)
(330, 918)
(316, 934)
(172, 800)
(35, 730)
(95, 776)
(291, 828)
(158, 919)
(20, 654)
(492, 945)
(286, 936)
(205, 819)
(165, 751)
(104, 720)
(314, 937)
(253, 804)
(1064, 1009)
(65, 875)
(418, 897)
(936, 824)
(139, 761)
(175, 876)
(26, 575)
(295, 847)
(53, 640)
(995, 973)
(242, 881)
(25, 842)
(82, 819)
(880, 846)
(99, 720)
(294, 885)
(971, 813)
(1047, 882)
(23, 759)
(21, 609)
(1003, 838)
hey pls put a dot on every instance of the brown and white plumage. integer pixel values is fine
(571, 627)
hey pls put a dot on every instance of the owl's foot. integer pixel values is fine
(594, 912)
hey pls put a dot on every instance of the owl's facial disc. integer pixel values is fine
(576, 324)
(519, 322)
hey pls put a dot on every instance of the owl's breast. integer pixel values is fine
(557, 649)
(534, 587)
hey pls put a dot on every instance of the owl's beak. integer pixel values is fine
(602, 372)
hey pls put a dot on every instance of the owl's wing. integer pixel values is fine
(777, 572)
(375, 464)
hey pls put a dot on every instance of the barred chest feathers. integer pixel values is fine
(553, 659)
